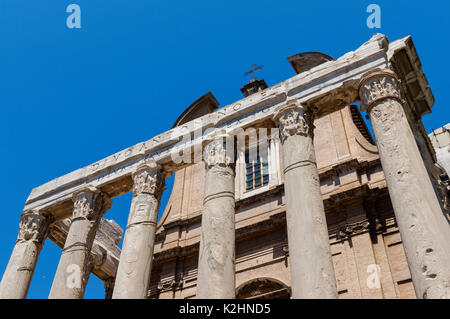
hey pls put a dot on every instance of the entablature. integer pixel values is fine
(325, 88)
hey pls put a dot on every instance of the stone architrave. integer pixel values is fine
(135, 265)
(216, 264)
(33, 231)
(424, 229)
(312, 272)
(74, 266)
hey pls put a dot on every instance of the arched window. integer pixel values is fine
(263, 288)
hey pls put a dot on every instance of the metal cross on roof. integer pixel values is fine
(253, 69)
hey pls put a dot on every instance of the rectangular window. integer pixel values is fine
(257, 171)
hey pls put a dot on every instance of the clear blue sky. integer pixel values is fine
(70, 97)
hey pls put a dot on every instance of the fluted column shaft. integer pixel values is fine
(216, 264)
(424, 229)
(135, 265)
(312, 272)
(33, 231)
(74, 266)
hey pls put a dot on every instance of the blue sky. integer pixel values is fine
(70, 97)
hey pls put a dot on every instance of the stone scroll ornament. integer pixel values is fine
(148, 179)
(295, 119)
(90, 203)
(34, 226)
(378, 85)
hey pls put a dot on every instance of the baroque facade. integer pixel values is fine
(323, 210)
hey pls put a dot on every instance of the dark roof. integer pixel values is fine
(203, 105)
(307, 60)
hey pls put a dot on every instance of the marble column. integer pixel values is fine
(216, 263)
(312, 272)
(135, 265)
(75, 264)
(34, 227)
(424, 229)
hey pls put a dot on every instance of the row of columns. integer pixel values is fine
(423, 226)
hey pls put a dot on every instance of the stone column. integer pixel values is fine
(109, 287)
(312, 272)
(216, 268)
(135, 265)
(75, 264)
(423, 226)
(34, 227)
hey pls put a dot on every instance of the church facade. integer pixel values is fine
(321, 209)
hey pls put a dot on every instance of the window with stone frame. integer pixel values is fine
(256, 170)
(260, 173)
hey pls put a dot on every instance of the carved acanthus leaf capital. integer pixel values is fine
(219, 152)
(34, 226)
(148, 179)
(378, 85)
(295, 119)
(90, 203)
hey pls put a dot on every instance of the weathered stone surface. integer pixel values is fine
(423, 226)
(75, 264)
(349, 171)
(33, 231)
(216, 268)
(133, 274)
(105, 253)
(312, 273)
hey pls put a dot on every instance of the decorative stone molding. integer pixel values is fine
(349, 230)
(170, 285)
(34, 226)
(295, 119)
(378, 85)
(275, 220)
(148, 179)
(90, 203)
(263, 288)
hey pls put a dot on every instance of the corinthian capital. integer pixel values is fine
(90, 203)
(34, 226)
(378, 85)
(148, 179)
(219, 152)
(295, 119)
